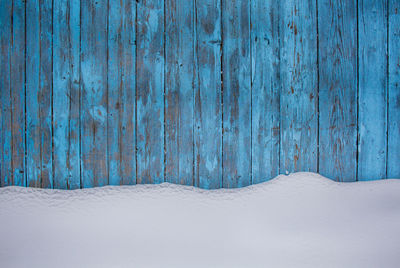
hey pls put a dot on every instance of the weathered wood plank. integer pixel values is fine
(338, 89)
(265, 89)
(94, 93)
(372, 16)
(236, 65)
(179, 75)
(5, 93)
(39, 91)
(150, 91)
(18, 93)
(121, 92)
(66, 93)
(298, 101)
(393, 161)
(208, 106)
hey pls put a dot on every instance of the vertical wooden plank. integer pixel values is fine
(66, 36)
(94, 93)
(150, 91)
(32, 91)
(5, 93)
(121, 92)
(236, 65)
(39, 91)
(18, 93)
(179, 91)
(338, 89)
(208, 109)
(393, 162)
(298, 102)
(372, 21)
(265, 89)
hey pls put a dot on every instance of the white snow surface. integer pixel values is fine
(300, 220)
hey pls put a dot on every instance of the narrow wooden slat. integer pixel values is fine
(66, 92)
(372, 16)
(121, 92)
(179, 91)
(18, 93)
(5, 90)
(298, 101)
(338, 89)
(236, 65)
(33, 131)
(393, 162)
(94, 93)
(150, 91)
(39, 91)
(265, 89)
(208, 109)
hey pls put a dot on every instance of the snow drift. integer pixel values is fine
(300, 220)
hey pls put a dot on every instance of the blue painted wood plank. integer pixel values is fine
(150, 91)
(66, 92)
(236, 65)
(39, 91)
(33, 125)
(372, 23)
(18, 93)
(393, 161)
(337, 27)
(208, 106)
(5, 93)
(298, 101)
(179, 91)
(121, 92)
(94, 93)
(265, 89)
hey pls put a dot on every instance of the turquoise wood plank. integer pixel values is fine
(121, 92)
(393, 161)
(94, 93)
(208, 106)
(33, 124)
(337, 27)
(150, 91)
(372, 89)
(298, 100)
(236, 65)
(66, 92)
(18, 93)
(179, 91)
(265, 89)
(39, 89)
(5, 93)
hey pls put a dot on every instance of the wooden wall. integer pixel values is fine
(210, 93)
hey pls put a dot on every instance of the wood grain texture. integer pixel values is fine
(39, 89)
(372, 50)
(393, 161)
(337, 29)
(208, 106)
(66, 93)
(236, 65)
(298, 100)
(265, 89)
(94, 93)
(121, 92)
(179, 75)
(18, 144)
(5, 93)
(150, 91)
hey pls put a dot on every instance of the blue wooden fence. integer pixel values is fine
(211, 93)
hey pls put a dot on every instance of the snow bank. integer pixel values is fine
(300, 220)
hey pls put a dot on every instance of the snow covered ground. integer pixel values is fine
(300, 220)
